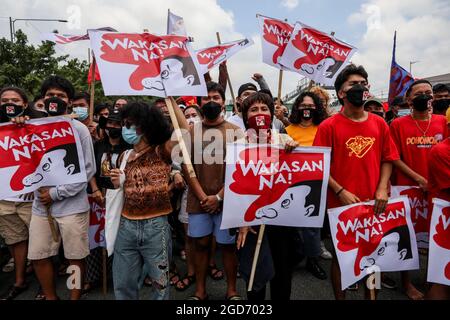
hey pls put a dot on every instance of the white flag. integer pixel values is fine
(175, 25)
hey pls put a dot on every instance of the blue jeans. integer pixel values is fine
(311, 241)
(142, 242)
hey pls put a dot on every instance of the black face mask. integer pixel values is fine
(357, 95)
(11, 110)
(441, 105)
(113, 133)
(55, 106)
(378, 113)
(211, 110)
(307, 113)
(422, 102)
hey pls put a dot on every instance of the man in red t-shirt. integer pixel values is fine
(362, 152)
(414, 135)
(439, 187)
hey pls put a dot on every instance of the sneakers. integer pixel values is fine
(325, 254)
(315, 269)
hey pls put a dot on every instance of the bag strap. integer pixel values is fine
(125, 159)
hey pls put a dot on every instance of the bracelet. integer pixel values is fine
(94, 191)
(340, 190)
(219, 198)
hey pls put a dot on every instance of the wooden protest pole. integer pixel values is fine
(255, 257)
(92, 94)
(235, 110)
(171, 103)
(51, 222)
(105, 270)
(280, 81)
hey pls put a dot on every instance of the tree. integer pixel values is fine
(26, 66)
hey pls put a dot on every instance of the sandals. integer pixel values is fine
(235, 297)
(215, 273)
(40, 295)
(197, 298)
(186, 282)
(174, 277)
(9, 266)
(13, 292)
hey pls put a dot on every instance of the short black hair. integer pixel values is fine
(343, 76)
(440, 87)
(213, 86)
(100, 107)
(17, 90)
(275, 99)
(37, 98)
(159, 100)
(82, 95)
(266, 91)
(60, 83)
(199, 111)
(254, 98)
(150, 120)
(415, 83)
(321, 114)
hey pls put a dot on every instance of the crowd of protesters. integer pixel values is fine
(129, 146)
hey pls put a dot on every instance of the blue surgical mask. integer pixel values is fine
(130, 136)
(82, 113)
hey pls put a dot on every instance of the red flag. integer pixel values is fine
(97, 74)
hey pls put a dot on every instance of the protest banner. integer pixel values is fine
(69, 38)
(96, 224)
(315, 54)
(175, 24)
(439, 252)
(211, 57)
(275, 35)
(266, 185)
(147, 64)
(366, 242)
(42, 152)
(420, 216)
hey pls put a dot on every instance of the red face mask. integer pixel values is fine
(259, 121)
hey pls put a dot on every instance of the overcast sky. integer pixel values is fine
(422, 29)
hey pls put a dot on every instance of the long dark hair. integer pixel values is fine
(318, 116)
(150, 120)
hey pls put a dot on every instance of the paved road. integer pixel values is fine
(304, 287)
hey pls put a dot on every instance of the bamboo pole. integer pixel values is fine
(255, 257)
(171, 103)
(92, 94)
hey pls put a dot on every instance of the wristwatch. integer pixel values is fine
(219, 198)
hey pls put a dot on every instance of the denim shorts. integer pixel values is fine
(203, 224)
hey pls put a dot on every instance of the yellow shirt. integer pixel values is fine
(447, 114)
(304, 136)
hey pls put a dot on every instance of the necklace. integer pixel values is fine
(418, 126)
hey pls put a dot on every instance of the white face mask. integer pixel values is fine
(194, 120)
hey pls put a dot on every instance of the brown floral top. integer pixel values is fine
(146, 186)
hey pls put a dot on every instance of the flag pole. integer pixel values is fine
(256, 256)
(280, 81)
(168, 17)
(171, 103)
(92, 93)
(235, 110)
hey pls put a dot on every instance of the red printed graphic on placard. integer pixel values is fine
(146, 51)
(359, 228)
(419, 209)
(442, 236)
(277, 33)
(38, 150)
(321, 52)
(268, 172)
